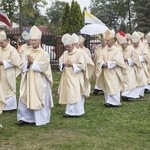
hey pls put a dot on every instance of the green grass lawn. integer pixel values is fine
(124, 128)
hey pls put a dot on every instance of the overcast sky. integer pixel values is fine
(82, 3)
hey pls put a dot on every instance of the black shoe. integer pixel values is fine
(124, 98)
(96, 91)
(141, 96)
(110, 105)
(21, 123)
(101, 92)
(147, 91)
(69, 116)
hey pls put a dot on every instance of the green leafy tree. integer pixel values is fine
(10, 8)
(31, 8)
(54, 14)
(103, 10)
(24, 12)
(112, 12)
(123, 26)
(142, 9)
(42, 20)
(65, 19)
(30, 11)
(72, 20)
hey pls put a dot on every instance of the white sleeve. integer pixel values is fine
(130, 62)
(76, 69)
(101, 64)
(36, 67)
(61, 67)
(141, 58)
(111, 65)
(7, 65)
(25, 67)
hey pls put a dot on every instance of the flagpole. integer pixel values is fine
(87, 37)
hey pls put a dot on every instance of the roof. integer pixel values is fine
(17, 29)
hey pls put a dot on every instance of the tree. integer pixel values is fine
(112, 12)
(123, 26)
(29, 10)
(72, 20)
(65, 19)
(104, 11)
(76, 17)
(54, 14)
(143, 15)
(24, 12)
(9, 7)
(42, 20)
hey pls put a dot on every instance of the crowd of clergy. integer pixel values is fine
(120, 68)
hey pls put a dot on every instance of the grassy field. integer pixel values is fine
(124, 128)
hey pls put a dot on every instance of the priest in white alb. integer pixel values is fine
(129, 91)
(35, 89)
(76, 72)
(9, 62)
(111, 64)
(141, 62)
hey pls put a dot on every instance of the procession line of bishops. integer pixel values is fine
(121, 69)
(35, 95)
